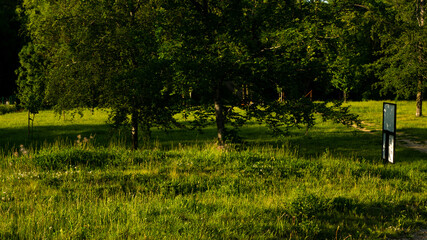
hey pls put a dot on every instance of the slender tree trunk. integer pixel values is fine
(419, 101)
(29, 123)
(345, 96)
(219, 116)
(134, 123)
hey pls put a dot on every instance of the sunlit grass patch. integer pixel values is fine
(205, 193)
(327, 184)
(371, 113)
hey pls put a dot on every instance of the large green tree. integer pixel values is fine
(402, 67)
(241, 52)
(140, 58)
(210, 53)
(104, 53)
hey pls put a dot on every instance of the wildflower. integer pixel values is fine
(79, 136)
(23, 150)
(85, 140)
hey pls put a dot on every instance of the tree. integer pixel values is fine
(402, 67)
(225, 48)
(31, 80)
(348, 34)
(139, 58)
(104, 53)
(209, 53)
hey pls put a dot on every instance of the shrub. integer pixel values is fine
(7, 109)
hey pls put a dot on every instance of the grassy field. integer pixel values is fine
(406, 121)
(329, 184)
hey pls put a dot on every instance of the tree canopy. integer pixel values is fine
(232, 60)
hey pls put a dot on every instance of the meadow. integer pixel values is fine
(328, 184)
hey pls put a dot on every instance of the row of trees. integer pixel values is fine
(151, 59)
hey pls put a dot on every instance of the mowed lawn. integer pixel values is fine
(327, 184)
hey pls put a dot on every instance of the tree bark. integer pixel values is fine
(134, 123)
(419, 101)
(29, 123)
(219, 116)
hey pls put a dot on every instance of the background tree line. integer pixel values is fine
(151, 59)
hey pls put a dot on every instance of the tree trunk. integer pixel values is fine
(219, 116)
(419, 101)
(29, 123)
(345, 96)
(134, 123)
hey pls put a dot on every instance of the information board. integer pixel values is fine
(389, 132)
(389, 119)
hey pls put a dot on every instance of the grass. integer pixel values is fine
(406, 121)
(330, 184)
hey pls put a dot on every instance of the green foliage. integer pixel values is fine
(302, 112)
(149, 60)
(351, 40)
(7, 109)
(401, 68)
(101, 54)
(32, 77)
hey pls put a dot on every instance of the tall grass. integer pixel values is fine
(330, 184)
(200, 192)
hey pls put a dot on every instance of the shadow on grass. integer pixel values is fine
(356, 218)
(419, 134)
(340, 142)
(12, 138)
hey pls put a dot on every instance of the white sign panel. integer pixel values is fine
(391, 149)
(389, 132)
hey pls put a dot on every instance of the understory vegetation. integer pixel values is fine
(6, 108)
(75, 179)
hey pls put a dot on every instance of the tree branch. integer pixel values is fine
(361, 6)
(270, 48)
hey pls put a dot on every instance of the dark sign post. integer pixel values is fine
(389, 132)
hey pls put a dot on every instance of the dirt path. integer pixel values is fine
(402, 138)
(420, 235)
(412, 143)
